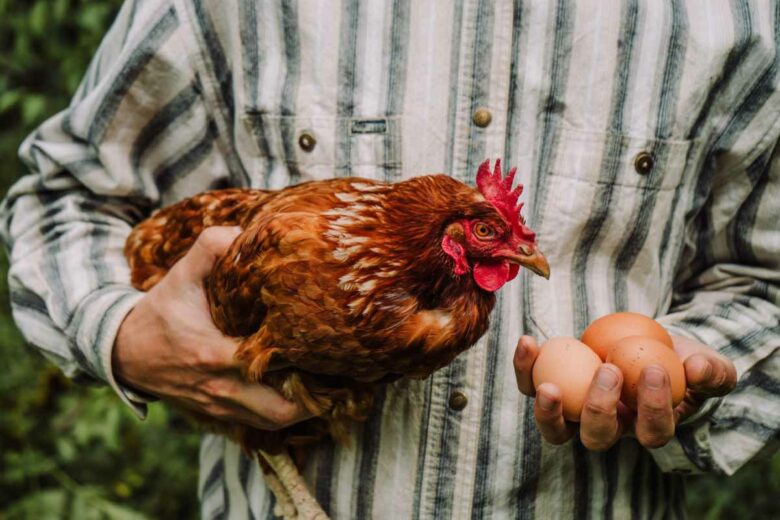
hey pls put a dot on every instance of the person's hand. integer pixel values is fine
(605, 419)
(169, 347)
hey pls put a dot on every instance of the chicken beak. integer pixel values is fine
(532, 259)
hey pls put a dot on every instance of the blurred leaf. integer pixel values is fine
(33, 108)
(38, 18)
(60, 9)
(93, 17)
(25, 465)
(9, 99)
(66, 449)
(41, 505)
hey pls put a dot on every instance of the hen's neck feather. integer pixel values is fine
(390, 237)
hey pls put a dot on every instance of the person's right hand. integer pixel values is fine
(169, 347)
(605, 419)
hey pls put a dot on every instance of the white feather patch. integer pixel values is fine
(345, 221)
(341, 254)
(347, 278)
(348, 286)
(367, 262)
(334, 234)
(362, 186)
(366, 286)
(347, 197)
(437, 317)
(354, 304)
(348, 240)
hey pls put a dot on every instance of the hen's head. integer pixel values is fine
(491, 240)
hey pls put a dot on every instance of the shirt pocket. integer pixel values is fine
(288, 149)
(608, 211)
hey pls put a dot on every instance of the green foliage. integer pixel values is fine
(45, 47)
(752, 493)
(69, 451)
(76, 452)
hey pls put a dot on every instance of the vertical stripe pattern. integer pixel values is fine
(188, 95)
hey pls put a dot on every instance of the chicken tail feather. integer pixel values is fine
(160, 241)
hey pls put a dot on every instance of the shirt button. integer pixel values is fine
(482, 117)
(306, 141)
(643, 163)
(458, 401)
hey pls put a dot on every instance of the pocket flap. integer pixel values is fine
(630, 161)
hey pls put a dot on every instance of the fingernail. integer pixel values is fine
(545, 402)
(522, 351)
(654, 377)
(606, 379)
(705, 368)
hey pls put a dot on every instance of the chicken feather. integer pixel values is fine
(341, 282)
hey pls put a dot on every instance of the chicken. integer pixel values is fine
(346, 283)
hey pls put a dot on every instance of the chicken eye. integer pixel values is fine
(482, 230)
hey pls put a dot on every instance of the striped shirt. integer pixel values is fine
(645, 133)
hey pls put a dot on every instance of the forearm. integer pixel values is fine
(68, 279)
(730, 430)
(730, 301)
(95, 172)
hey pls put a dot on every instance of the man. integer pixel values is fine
(646, 135)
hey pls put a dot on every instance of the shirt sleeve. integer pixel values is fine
(728, 298)
(96, 169)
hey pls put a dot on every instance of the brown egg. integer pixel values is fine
(604, 332)
(570, 365)
(634, 353)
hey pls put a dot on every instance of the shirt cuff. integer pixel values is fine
(673, 459)
(99, 318)
(689, 451)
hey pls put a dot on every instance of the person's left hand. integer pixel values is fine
(605, 419)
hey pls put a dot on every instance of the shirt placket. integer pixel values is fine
(458, 391)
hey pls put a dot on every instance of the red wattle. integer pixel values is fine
(513, 270)
(457, 253)
(491, 276)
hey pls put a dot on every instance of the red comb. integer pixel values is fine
(497, 189)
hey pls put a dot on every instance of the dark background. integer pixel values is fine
(69, 451)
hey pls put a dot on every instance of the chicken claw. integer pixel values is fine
(295, 487)
(284, 507)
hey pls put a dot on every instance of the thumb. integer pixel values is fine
(212, 243)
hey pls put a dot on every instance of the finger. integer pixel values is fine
(710, 374)
(655, 417)
(600, 426)
(525, 355)
(686, 347)
(690, 404)
(267, 405)
(210, 245)
(548, 413)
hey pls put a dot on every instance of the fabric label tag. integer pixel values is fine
(368, 126)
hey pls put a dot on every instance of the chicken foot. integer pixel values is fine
(284, 507)
(295, 487)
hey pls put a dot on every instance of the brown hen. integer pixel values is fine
(347, 283)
